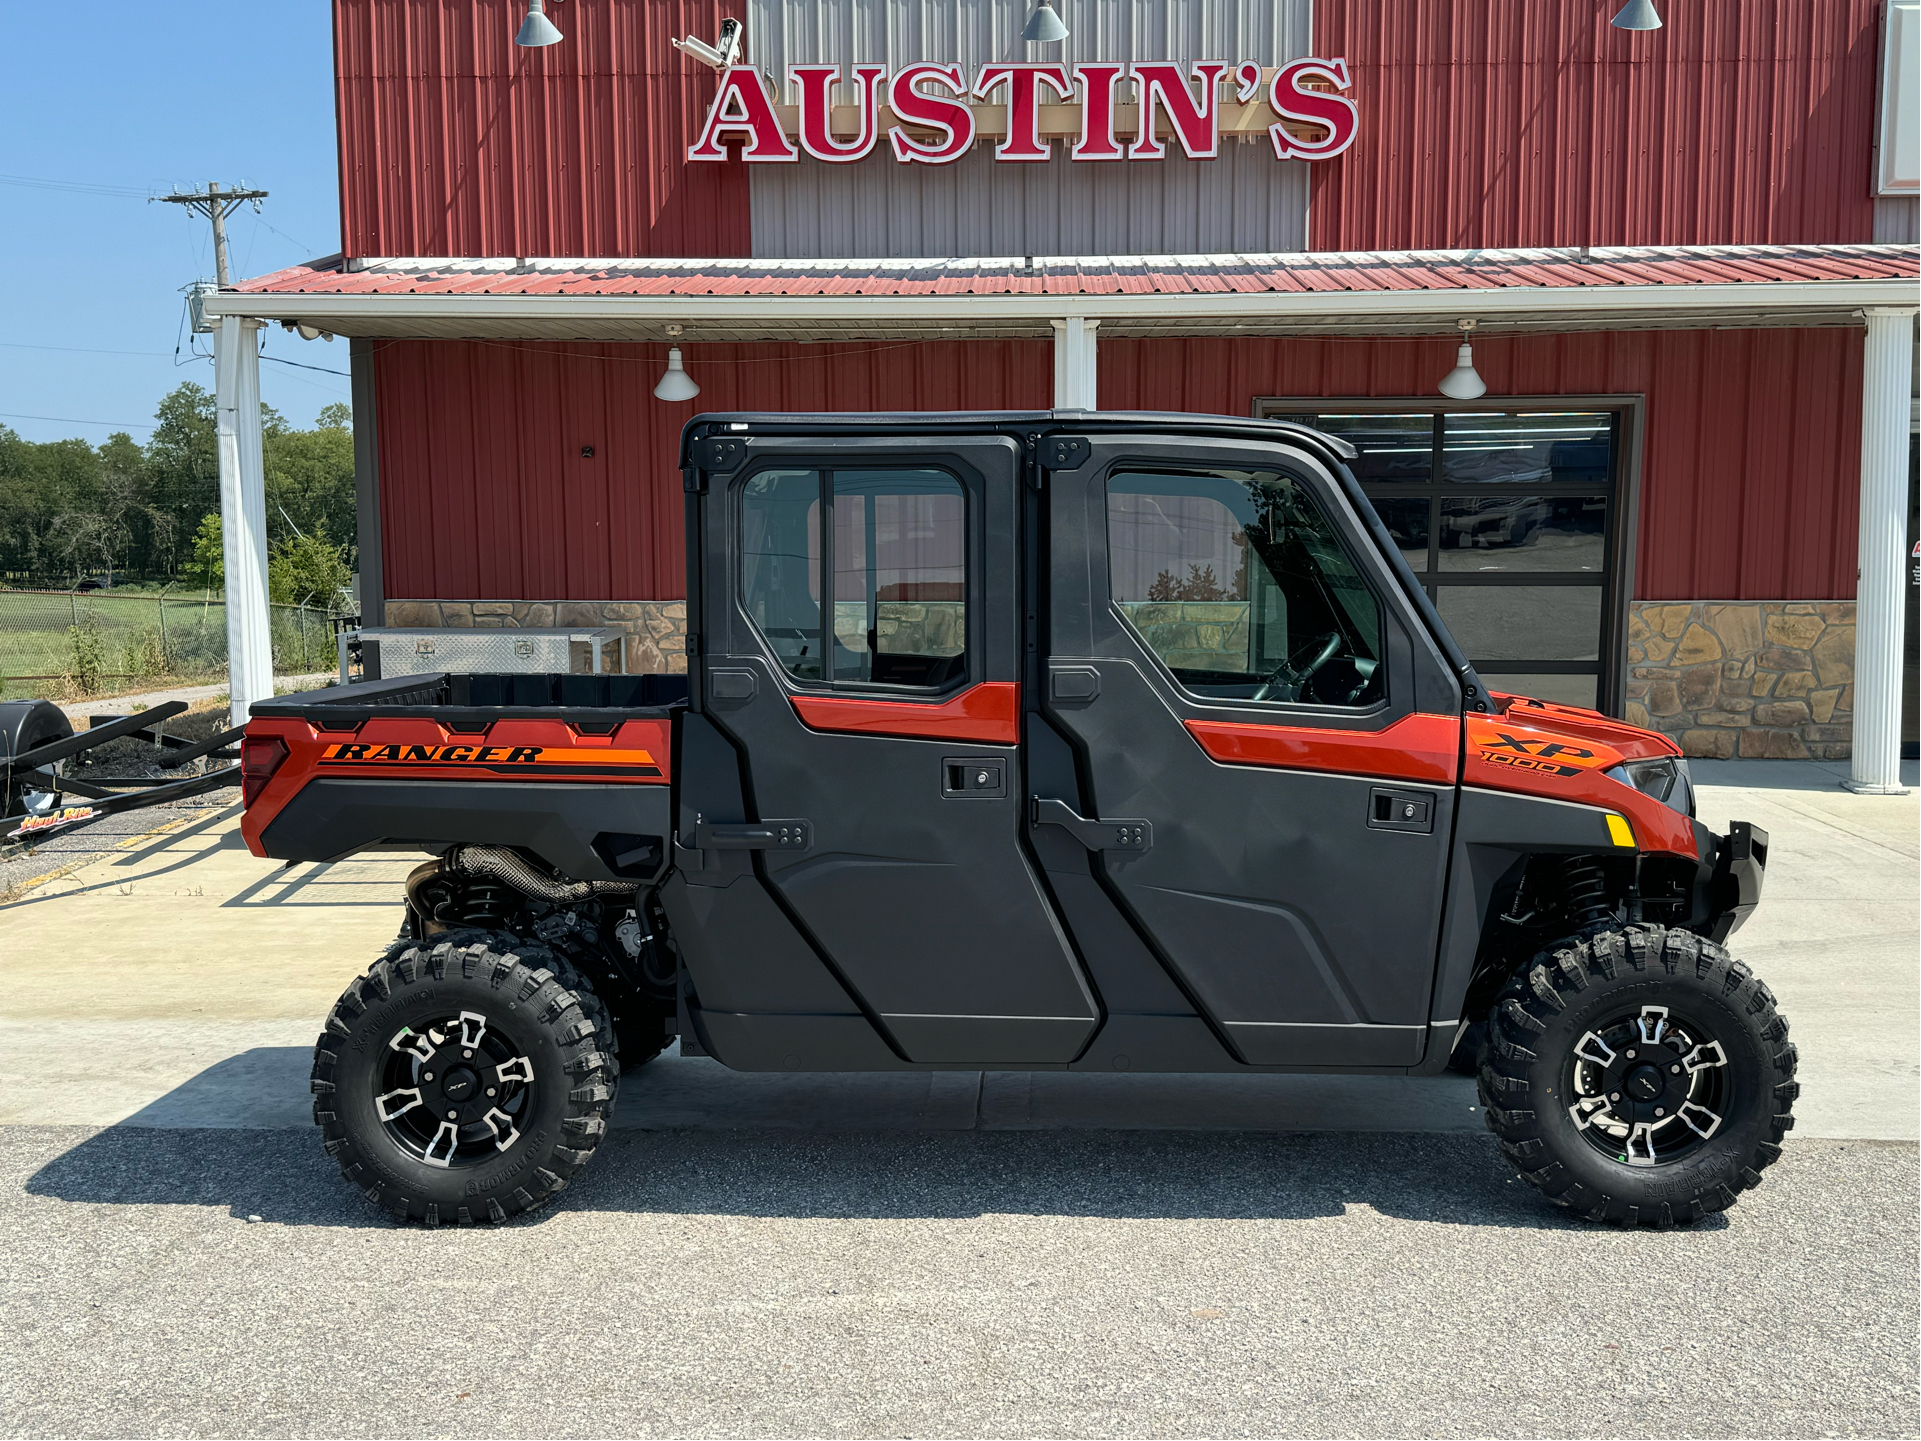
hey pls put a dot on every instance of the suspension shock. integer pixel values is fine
(487, 903)
(1586, 891)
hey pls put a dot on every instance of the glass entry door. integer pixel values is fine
(1509, 518)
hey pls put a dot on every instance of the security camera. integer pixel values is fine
(721, 54)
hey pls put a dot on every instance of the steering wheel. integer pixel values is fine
(1285, 681)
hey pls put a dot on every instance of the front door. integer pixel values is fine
(862, 652)
(1267, 737)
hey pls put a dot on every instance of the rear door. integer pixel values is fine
(1266, 734)
(862, 652)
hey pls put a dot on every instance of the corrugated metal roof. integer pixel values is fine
(1458, 270)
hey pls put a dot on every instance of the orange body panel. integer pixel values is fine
(989, 712)
(1416, 747)
(418, 748)
(1563, 752)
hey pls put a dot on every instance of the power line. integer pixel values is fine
(301, 365)
(77, 349)
(76, 187)
(76, 420)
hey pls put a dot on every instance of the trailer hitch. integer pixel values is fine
(1111, 835)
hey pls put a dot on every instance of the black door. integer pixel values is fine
(1266, 735)
(861, 650)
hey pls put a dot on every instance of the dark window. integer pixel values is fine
(896, 549)
(1239, 583)
(1507, 517)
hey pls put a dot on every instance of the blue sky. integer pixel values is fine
(144, 96)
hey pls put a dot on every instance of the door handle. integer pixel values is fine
(755, 836)
(1111, 835)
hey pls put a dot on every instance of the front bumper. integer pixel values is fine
(1733, 868)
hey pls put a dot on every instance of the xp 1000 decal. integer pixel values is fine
(1512, 747)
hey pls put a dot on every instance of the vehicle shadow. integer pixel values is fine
(187, 1152)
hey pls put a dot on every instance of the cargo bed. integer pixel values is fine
(573, 768)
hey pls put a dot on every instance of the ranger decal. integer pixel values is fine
(521, 759)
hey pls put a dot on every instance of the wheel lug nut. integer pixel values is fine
(428, 1077)
(1675, 1069)
(1659, 1112)
(491, 1091)
(1630, 1055)
(468, 1054)
(454, 1115)
(1615, 1096)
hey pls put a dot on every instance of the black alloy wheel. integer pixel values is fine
(1639, 1075)
(1649, 1088)
(451, 1092)
(466, 1077)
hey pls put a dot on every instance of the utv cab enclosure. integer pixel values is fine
(1028, 741)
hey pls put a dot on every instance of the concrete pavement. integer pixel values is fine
(210, 971)
(946, 1254)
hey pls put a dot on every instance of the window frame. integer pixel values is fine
(823, 575)
(1616, 580)
(1160, 465)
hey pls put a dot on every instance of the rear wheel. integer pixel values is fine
(1639, 1076)
(466, 1077)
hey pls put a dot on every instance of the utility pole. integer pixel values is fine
(216, 204)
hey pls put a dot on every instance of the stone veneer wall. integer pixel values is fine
(1744, 678)
(656, 629)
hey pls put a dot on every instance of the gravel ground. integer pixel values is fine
(965, 1283)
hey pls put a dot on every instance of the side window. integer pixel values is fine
(1238, 582)
(892, 554)
(780, 565)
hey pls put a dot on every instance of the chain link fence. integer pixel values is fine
(76, 644)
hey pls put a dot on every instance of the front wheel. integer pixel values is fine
(1640, 1076)
(464, 1078)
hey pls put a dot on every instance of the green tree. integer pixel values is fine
(207, 561)
(307, 570)
(310, 479)
(183, 462)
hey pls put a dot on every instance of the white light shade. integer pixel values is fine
(676, 383)
(1637, 15)
(1464, 381)
(537, 29)
(1044, 24)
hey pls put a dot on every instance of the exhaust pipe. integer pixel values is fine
(498, 863)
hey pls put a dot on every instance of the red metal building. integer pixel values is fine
(1671, 241)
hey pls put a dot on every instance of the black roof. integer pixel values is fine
(964, 422)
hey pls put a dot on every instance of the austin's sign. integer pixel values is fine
(932, 114)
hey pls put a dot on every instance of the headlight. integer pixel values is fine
(1665, 778)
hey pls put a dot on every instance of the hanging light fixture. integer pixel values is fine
(1044, 24)
(537, 29)
(1637, 15)
(1464, 381)
(675, 382)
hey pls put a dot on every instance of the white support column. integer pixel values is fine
(1885, 387)
(243, 513)
(1074, 364)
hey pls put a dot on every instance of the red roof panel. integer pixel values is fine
(1100, 275)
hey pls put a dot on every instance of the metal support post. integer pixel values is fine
(1074, 364)
(243, 513)
(1886, 377)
